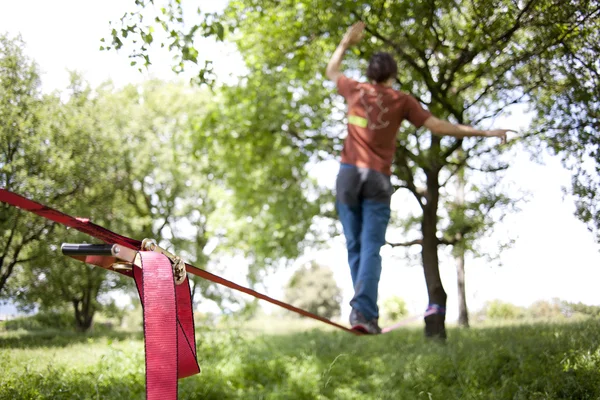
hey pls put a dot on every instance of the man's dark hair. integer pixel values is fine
(382, 67)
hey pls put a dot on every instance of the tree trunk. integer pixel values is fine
(463, 313)
(193, 286)
(459, 251)
(434, 324)
(84, 312)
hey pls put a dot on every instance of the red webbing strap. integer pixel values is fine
(81, 224)
(107, 236)
(157, 293)
(186, 340)
(187, 361)
(221, 281)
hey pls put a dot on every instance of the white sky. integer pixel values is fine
(554, 255)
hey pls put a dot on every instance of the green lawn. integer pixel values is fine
(538, 361)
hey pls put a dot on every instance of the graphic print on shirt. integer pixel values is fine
(379, 123)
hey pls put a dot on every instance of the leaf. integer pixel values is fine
(220, 30)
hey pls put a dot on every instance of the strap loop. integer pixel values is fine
(157, 293)
(168, 326)
(435, 309)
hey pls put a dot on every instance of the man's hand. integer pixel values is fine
(354, 34)
(499, 133)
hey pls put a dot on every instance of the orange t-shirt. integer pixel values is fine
(375, 113)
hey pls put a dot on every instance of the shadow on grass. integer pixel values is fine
(58, 338)
(536, 361)
(58, 383)
(540, 361)
(64, 384)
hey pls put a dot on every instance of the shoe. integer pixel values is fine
(360, 323)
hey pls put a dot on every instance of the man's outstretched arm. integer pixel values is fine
(352, 36)
(444, 128)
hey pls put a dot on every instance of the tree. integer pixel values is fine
(36, 159)
(472, 215)
(128, 133)
(76, 152)
(569, 309)
(568, 111)
(101, 147)
(19, 99)
(466, 60)
(459, 253)
(545, 309)
(314, 289)
(65, 283)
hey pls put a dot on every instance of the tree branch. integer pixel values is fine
(489, 170)
(405, 173)
(23, 260)
(459, 165)
(448, 242)
(499, 110)
(449, 150)
(431, 25)
(10, 238)
(424, 72)
(466, 55)
(406, 244)
(511, 62)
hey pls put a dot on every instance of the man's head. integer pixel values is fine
(382, 68)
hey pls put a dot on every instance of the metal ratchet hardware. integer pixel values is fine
(179, 271)
(120, 258)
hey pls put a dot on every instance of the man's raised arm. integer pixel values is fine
(352, 36)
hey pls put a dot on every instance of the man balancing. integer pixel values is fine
(363, 187)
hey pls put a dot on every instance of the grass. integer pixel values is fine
(536, 361)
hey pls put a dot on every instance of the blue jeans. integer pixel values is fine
(363, 205)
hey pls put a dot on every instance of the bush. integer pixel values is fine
(569, 309)
(394, 308)
(314, 289)
(42, 321)
(554, 309)
(500, 311)
(544, 309)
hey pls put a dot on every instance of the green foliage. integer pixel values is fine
(20, 100)
(544, 309)
(463, 62)
(314, 289)
(41, 157)
(163, 23)
(553, 310)
(42, 321)
(499, 310)
(573, 308)
(540, 361)
(568, 113)
(473, 219)
(467, 61)
(394, 308)
(47, 153)
(266, 172)
(132, 160)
